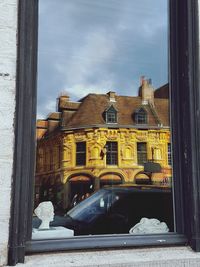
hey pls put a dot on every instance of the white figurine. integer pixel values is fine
(45, 212)
(149, 226)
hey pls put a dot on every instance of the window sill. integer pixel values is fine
(166, 257)
(105, 241)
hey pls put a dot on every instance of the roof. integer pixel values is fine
(90, 112)
(162, 92)
(92, 107)
(54, 116)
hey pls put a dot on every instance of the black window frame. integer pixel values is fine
(185, 103)
(111, 153)
(80, 153)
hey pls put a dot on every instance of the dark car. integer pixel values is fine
(117, 209)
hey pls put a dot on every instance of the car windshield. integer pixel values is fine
(92, 207)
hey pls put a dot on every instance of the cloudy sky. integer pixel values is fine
(98, 46)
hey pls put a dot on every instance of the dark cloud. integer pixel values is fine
(96, 46)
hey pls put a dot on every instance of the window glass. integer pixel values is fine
(103, 160)
(169, 156)
(141, 116)
(111, 153)
(141, 153)
(80, 153)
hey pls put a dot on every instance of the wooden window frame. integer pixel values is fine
(185, 104)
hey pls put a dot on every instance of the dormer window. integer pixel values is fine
(141, 116)
(110, 115)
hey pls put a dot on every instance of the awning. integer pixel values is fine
(142, 176)
(110, 176)
(80, 178)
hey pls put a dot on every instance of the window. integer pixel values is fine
(111, 153)
(111, 115)
(169, 155)
(80, 153)
(141, 153)
(185, 83)
(141, 116)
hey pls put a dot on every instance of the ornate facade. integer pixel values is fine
(102, 140)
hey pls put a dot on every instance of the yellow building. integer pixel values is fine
(104, 139)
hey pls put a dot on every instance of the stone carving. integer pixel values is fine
(142, 136)
(79, 136)
(156, 150)
(45, 212)
(127, 151)
(67, 150)
(149, 226)
(112, 135)
(94, 151)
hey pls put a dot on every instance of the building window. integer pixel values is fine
(169, 154)
(141, 116)
(111, 115)
(111, 153)
(80, 154)
(141, 153)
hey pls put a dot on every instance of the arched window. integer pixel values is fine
(140, 116)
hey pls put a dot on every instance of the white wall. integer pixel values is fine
(8, 28)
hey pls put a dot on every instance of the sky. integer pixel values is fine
(97, 46)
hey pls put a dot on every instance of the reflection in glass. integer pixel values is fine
(104, 153)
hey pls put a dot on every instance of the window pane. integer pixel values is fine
(103, 161)
(80, 153)
(169, 156)
(141, 153)
(112, 153)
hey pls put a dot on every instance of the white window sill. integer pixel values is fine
(146, 257)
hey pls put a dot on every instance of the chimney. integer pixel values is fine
(61, 100)
(147, 91)
(112, 96)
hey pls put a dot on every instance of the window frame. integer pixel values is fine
(185, 103)
(111, 154)
(141, 116)
(111, 111)
(169, 154)
(111, 117)
(141, 153)
(81, 155)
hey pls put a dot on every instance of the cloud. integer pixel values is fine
(96, 46)
(48, 107)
